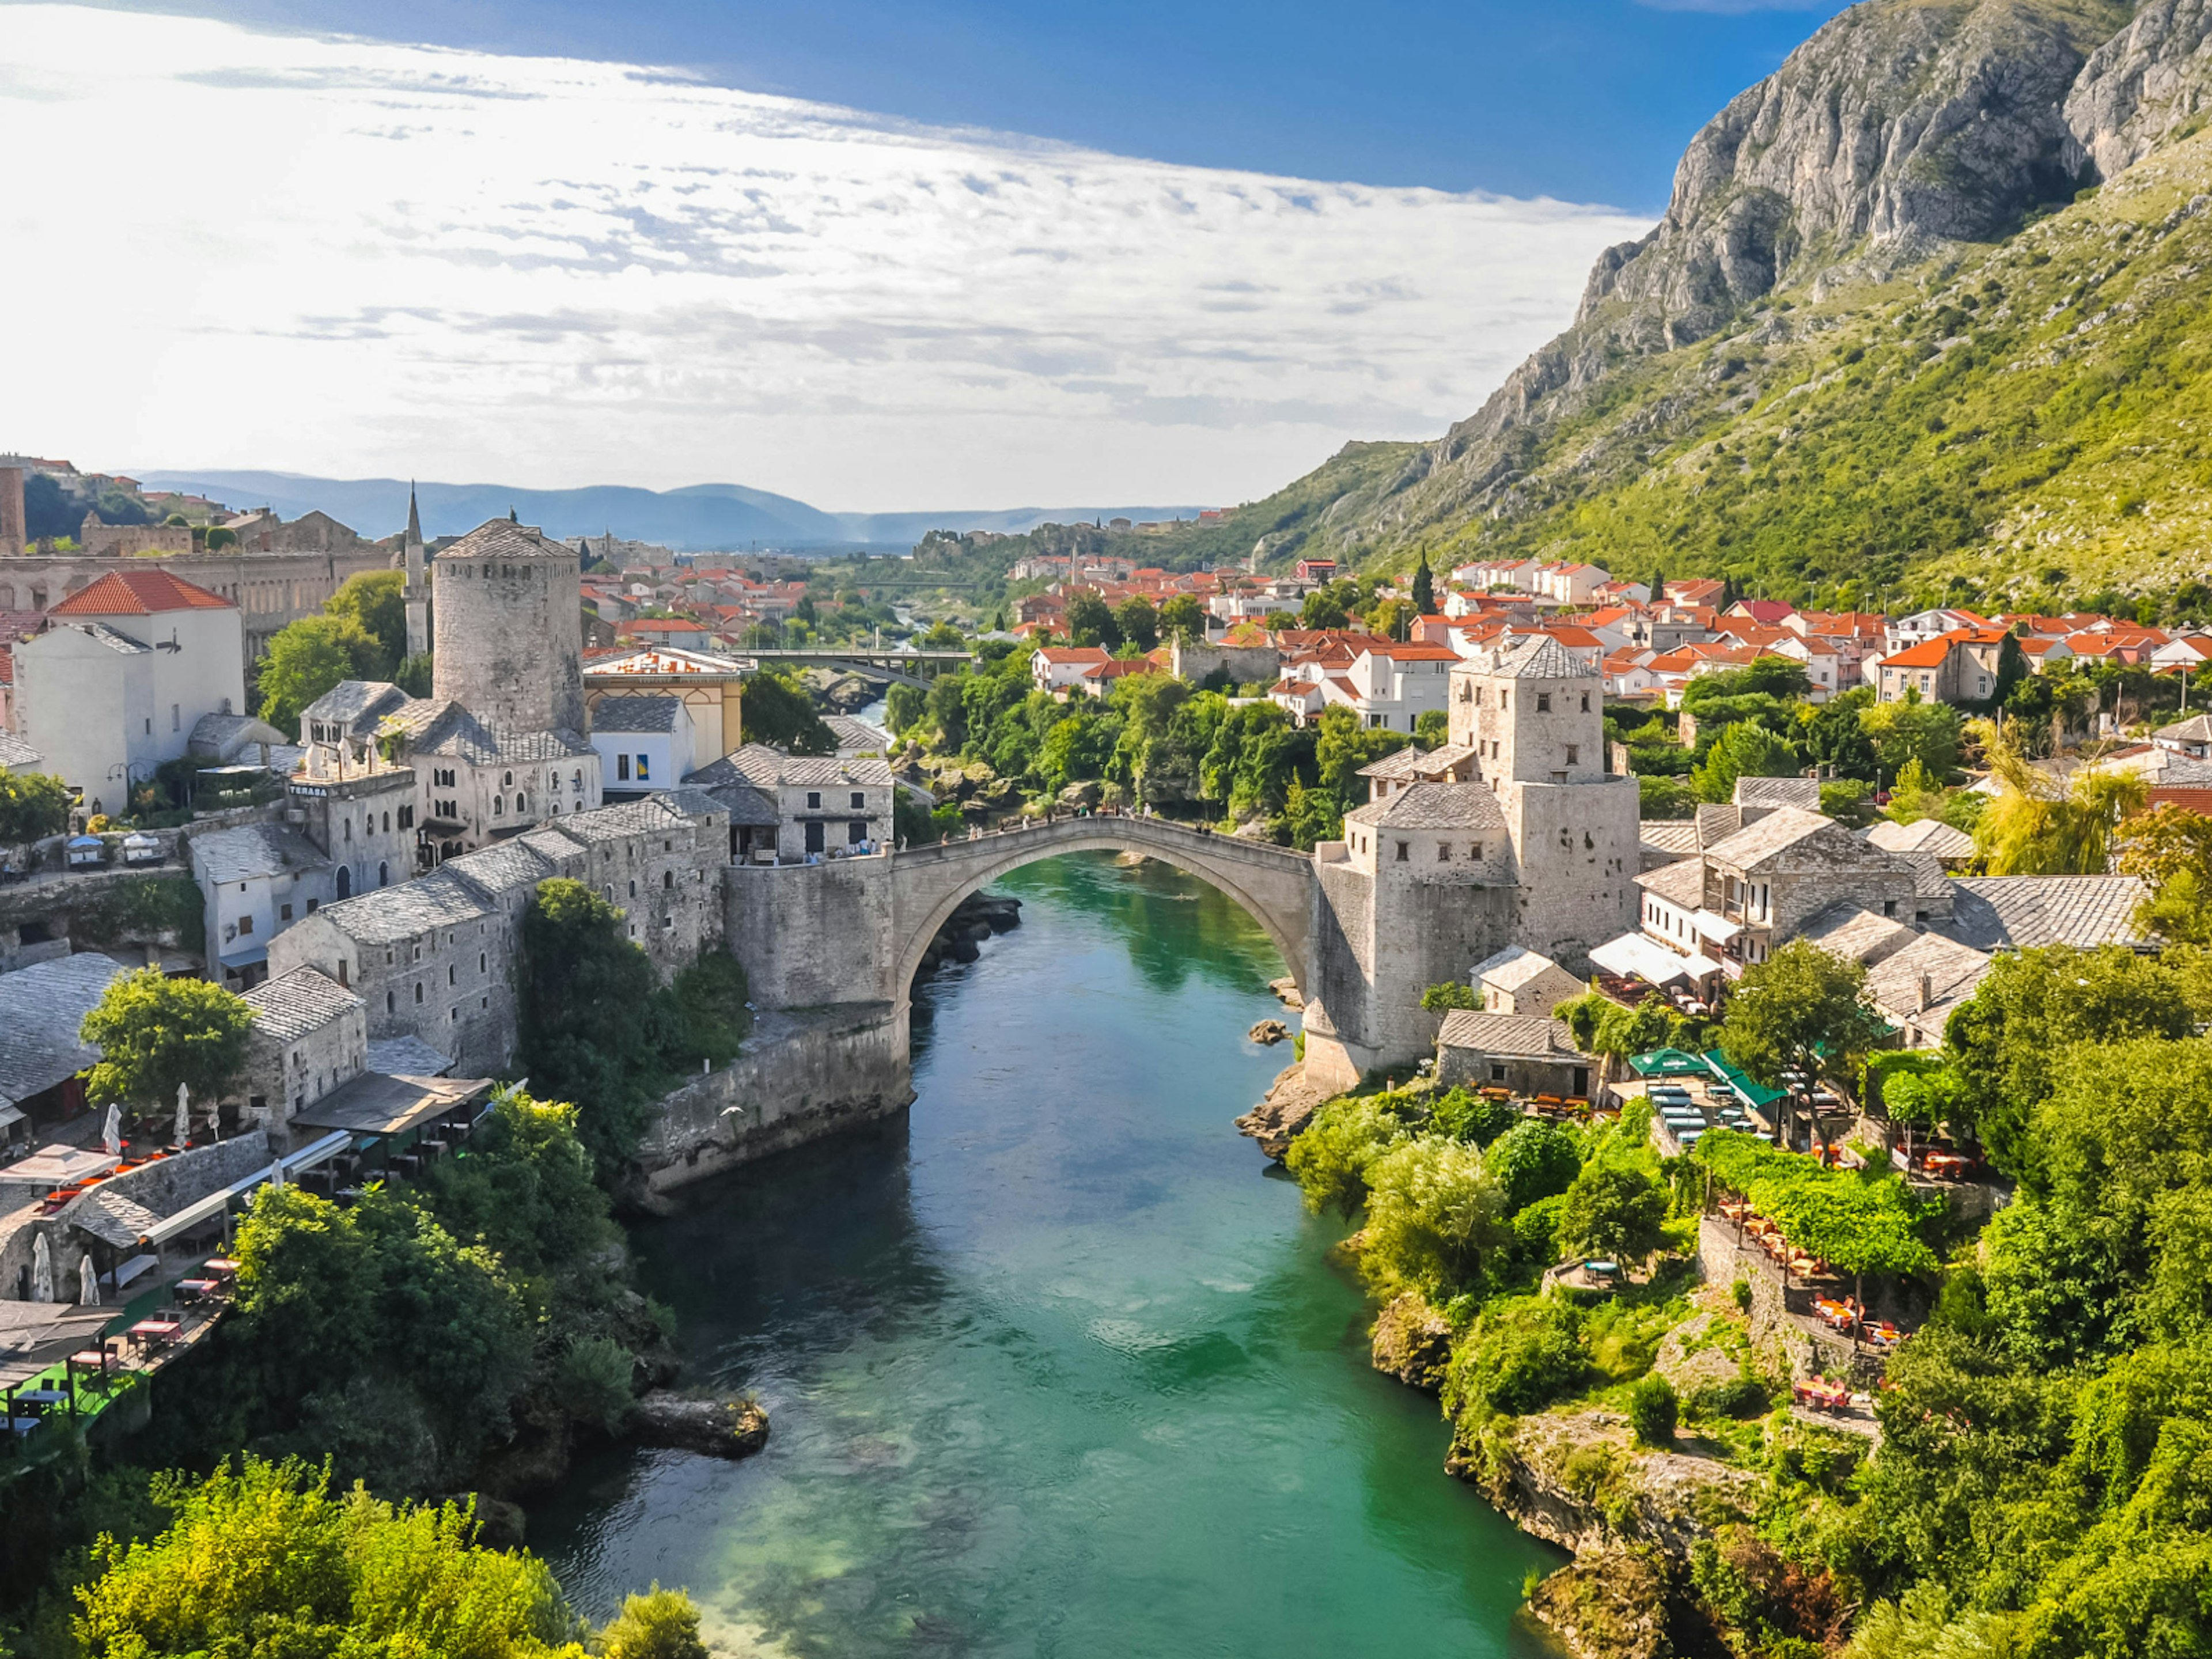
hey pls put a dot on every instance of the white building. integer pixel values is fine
(122, 674)
(1060, 667)
(255, 881)
(644, 744)
(822, 803)
(1391, 685)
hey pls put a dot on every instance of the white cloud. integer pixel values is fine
(330, 255)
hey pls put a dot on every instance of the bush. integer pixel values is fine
(1534, 1160)
(1652, 1410)
(1536, 1230)
(658, 1624)
(1525, 1353)
(592, 1381)
(1465, 1115)
(1744, 1397)
(1435, 1217)
(1613, 1211)
(1330, 1159)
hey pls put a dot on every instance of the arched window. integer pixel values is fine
(633, 890)
(383, 875)
(668, 879)
(499, 806)
(349, 829)
(388, 823)
(418, 994)
(580, 780)
(345, 881)
(521, 803)
(391, 1002)
(507, 778)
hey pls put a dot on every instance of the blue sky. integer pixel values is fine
(964, 254)
(1588, 100)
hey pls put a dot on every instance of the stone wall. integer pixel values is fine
(509, 637)
(1576, 848)
(1247, 664)
(801, 1077)
(810, 935)
(1784, 1344)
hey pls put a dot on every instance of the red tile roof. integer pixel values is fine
(139, 593)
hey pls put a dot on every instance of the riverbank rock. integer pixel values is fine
(1289, 1106)
(1611, 1605)
(974, 919)
(1286, 993)
(500, 1524)
(1076, 796)
(714, 1428)
(1411, 1343)
(1576, 1478)
(1268, 1032)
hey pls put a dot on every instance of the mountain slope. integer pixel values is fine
(1856, 350)
(700, 517)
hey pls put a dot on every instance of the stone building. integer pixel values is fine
(506, 613)
(1518, 981)
(822, 803)
(1529, 1053)
(415, 589)
(309, 1037)
(433, 958)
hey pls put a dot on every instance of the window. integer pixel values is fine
(645, 768)
(388, 823)
(452, 974)
(418, 993)
(855, 832)
(383, 874)
(498, 806)
(814, 841)
(406, 817)
(1444, 852)
(506, 780)
(1497, 1072)
(621, 769)
(1474, 850)
(484, 963)
(667, 879)
(1405, 851)
(246, 924)
(1585, 702)
(311, 904)
(1504, 698)
(1574, 754)
(814, 800)
(633, 890)
(522, 802)
(579, 779)
(391, 1002)
(859, 801)
(1543, 702)
(150, 726)
(283, 913)
(341, 970)
(176, 718)
(349, 829)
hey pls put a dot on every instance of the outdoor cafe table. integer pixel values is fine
(151, 1332)
(221, 1267)
(191, 1290)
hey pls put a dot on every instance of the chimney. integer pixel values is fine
(1927, 994)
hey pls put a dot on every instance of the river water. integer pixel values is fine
(1054, 1367)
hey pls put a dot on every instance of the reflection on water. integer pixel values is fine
(1054, 1368)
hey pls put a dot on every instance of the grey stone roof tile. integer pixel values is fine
(1508, 1036)
(390, 914)
(293, 1004)
(253, 849)
(41, 1008)
(1433, 806)
(635, 715)
(1926, 835)
(2018, 913)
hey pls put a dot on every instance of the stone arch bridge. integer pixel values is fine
(1274, 884)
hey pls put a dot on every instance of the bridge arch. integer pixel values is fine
(1272, 884)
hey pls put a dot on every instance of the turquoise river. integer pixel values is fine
(1056, 1366)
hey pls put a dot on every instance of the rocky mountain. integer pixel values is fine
(1827, 278)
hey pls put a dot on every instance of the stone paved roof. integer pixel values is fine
(2197, 728)
(2018, 913)
(1538, 657)
(856, 737)
(1803, 793)
(747, 806)
(1857, 934)
(41, 1008)
(15, 752)
(502, 538)
(112, 1218)
(1926, 836)
(1674, 837)
(635, 715)
(393, 914)
(1682, 882)
(504, 865)
(1412, 762)
(406, 1056)
(293, 1004)
(767, 767)
(254, 849)
(1433, 806)
(1512, 968)
(1508, 1036)
(360, 706)
(1953, 971)
(1789, 837)
(223, 736)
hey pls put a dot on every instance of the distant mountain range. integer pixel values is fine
(702, 518)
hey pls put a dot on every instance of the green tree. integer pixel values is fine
(2036, 828)
(903, 707)
(307, 658)
(155, 1033)
(2030, 1007)
(1342, 746)
(415, 675)
(1802, 1010)
(374, 601)
(1425, 588)
(32, 806)
(1435, 1217)
(1139, 624)
(1323, 608)
(1183, 618)
(264, 1558)
(1744, 751)
(777, 710)
(596, 1025)
(1912, 731)
(1091, 620)
(1534, 1159)
(2168, 849)
(1451, 993)
(1330, 1159)
(1613, 1211)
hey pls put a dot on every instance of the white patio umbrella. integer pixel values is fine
(42, 1270)
(184, 1113)
(112, 1136)
(88, 1282)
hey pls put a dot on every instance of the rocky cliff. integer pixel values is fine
(1903, 138)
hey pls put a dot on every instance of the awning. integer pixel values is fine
(59, 1165)
(1734, 1076)
(1701, 964)
(9, 1116)
(113, 1220)
(1667, 1063)
(1717, 928)
(245, 957)
(376, 1104)
(35, 1336)
(216, 1202)
(1634, 956)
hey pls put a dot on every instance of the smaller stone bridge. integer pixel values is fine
(1274, 884)
(886, 667)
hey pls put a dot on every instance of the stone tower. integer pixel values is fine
(509, 635)
(416, 592)
(1535, 718)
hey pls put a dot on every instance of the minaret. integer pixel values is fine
(415, 593)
